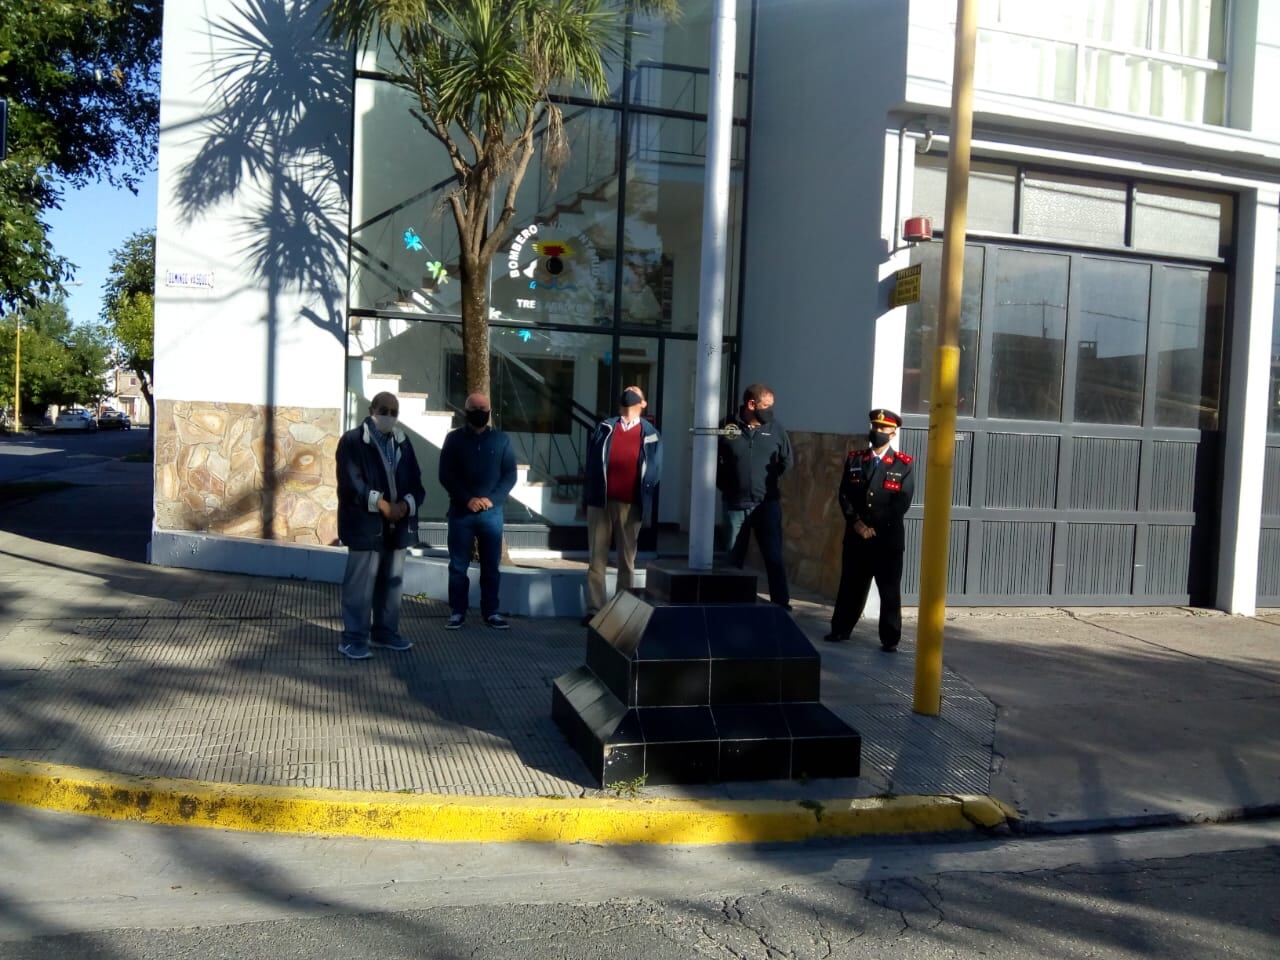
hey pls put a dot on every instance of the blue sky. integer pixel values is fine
(94, 221)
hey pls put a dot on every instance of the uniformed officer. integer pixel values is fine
(875, 493)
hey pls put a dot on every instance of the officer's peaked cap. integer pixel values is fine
(884, 418)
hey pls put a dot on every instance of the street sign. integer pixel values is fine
(906, 287)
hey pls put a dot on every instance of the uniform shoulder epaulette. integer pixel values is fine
(905, 457)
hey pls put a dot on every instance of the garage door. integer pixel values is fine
(1087, 451)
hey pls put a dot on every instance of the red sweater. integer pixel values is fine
(622, 472)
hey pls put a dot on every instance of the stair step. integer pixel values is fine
(414, 396)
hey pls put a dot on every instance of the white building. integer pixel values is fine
(1118, 383)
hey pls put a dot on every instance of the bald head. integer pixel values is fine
(385, 403)
(477, 411)
(476, 401)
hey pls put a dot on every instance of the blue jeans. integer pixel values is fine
(766, 520)
(373, 582)
(484, 528)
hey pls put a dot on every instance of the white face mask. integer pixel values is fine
(384, 422)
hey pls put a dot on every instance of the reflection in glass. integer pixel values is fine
(663, 232)
(1189, 341)
(922, 326)
(1112, 342)
(1029, 321)
(670, 60)
(558, 266)
(1273, 410)
(400, 226)
(1073, 208)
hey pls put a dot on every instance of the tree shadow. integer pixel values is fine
(276, 93)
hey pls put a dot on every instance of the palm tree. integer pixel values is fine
(481, 72)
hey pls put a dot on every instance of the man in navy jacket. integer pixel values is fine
(477, 470)
(624, 465)
(379, 493)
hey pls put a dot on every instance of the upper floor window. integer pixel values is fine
(1158, 58)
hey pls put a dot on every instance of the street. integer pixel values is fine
(77, 888)
(107, 507)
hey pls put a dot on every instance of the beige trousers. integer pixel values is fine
(602, 522)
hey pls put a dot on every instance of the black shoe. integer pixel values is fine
(888, 648)
(784, 606)
(834, 637)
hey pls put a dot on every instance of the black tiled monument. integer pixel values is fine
(693, 681)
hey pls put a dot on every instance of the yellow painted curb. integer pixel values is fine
(441, 819)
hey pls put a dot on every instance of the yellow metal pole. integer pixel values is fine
(946, 368)
(17, 372)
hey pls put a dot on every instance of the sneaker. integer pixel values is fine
(456, 620)
(354, 651)
(396, 643)
(496, 621)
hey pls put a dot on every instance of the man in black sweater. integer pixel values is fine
(751, 462)
(477, 470)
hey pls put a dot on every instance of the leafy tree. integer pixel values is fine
(128, 308)
(61, 363)
(82, 81)
(481, 72)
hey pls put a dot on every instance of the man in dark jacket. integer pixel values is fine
(477, 470)
(624, 465)
(379, 493)
(751, 461)
(875, 494)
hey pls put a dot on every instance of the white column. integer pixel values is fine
(1248, 377)
(715, 230)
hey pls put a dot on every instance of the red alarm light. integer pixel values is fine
(917, 229)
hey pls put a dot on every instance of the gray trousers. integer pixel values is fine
(372, 584)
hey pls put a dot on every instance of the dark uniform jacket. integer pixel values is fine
(750, 464)
(362, 480)
(879, 495)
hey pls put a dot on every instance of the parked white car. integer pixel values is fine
(76, 420)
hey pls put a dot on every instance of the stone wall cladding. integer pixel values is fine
(211, 476)
(812, 524)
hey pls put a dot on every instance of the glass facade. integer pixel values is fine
(595, 288)
(1158, 58)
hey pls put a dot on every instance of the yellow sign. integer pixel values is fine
(906, 287)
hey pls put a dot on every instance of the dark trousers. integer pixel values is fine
(483, 528)
(372, 584)
(766, 520)
(862, 561)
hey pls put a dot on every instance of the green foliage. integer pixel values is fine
(82, 81)
(61, 363)
(128, 305)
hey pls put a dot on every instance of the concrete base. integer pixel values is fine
(525, 591)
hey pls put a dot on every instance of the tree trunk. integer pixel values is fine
(475, 325)
(151, 401)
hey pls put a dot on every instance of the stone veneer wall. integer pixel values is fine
(812, 524)
(211, 476)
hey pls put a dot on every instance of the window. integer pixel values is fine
(991, 193)
(1073, 208)
(1175, 220)
(1189, 315)
(1028, 335)
(133, 381)
(1159, 58)
(1111, 346)
(922, 326)
(530, 394)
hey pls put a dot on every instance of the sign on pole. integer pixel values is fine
(906, 286)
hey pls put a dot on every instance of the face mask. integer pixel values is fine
(384, 422)
(764, 415)
(878, 438)
(478, 418)
(630, 399)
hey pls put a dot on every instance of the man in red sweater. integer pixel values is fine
(624, 465)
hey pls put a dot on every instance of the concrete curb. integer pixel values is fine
(441, 819)
(1148, 821)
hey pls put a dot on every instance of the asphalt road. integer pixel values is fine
(78, 888)
(107, 510)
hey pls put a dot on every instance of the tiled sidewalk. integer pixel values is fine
(238, 680)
